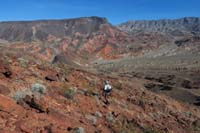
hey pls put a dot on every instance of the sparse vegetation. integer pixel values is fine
(149, 130)
(25, 97)
(19, 95)
(196, 125)
(118, 86)
(65, 69)
(23, 62)
(125, 126)
(39, 88)
(188, 114)
(69, 93)
(90, 92)
(79, 130)
(110, 117)
(35, 89)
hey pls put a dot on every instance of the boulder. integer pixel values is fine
(35, 104)
(5, 70)
(51, 78)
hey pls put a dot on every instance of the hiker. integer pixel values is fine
(107, 90)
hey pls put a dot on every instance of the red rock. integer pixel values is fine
(4, 90)
(9, 105)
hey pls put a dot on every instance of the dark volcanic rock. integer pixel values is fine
(51, 78)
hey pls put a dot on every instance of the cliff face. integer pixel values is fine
(40, 30)
(178, 26)
(87, 26)
(80, 36)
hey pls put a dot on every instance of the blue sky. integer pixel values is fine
(117, 11)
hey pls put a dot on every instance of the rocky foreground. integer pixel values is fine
(37, 96)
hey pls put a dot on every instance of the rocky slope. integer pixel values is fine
(182, 35)
(37, 96)
(176, 27)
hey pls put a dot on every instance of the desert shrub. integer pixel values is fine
(38, 88)
(90, 92)
(92, 83)
(149, 130)
(69, 93)
(118, 86)
(19, 95)
(35, 90)
(22, 97)
(66, 69)
(23, 62)
(89, 85)
(188, 114)
(196, 125)
(125, 126)
(79, 130)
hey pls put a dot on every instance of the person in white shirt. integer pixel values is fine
(107, 90)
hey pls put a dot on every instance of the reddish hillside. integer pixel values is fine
(81, 38)
(38, 97)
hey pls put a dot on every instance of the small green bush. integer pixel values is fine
(23, 62)
(19, 95)
(35, 90)
(149, 130)
(118, 86)
(38, 88)
(122, 126)
(70, 93)
(196, 125)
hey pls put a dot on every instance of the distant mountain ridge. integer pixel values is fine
(86, 26)
(41, 29)
(81, 37)
(169, 26)
(92, 38)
